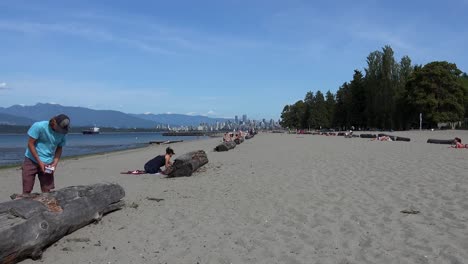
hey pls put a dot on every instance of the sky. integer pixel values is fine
(214, 58)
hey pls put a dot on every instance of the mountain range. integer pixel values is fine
(82, 117)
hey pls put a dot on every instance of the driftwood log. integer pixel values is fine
(239, 140)
(225, 146)
(186, 164)
(249, 136)
(441, 141)
(29, 224)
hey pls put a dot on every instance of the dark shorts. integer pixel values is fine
(30, 170)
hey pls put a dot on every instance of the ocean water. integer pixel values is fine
(13, 146)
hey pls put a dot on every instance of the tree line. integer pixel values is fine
(389, 95)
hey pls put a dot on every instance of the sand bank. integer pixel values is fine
(278, 198)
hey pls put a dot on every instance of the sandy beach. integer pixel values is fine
(277, 198)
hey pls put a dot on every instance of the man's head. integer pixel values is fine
(169, 151)
(60, 123)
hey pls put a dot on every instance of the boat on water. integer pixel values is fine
(91, 131)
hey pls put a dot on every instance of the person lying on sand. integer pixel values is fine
(383, 138)
(458, 143)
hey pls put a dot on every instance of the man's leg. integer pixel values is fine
(47, 181)
(30, 169)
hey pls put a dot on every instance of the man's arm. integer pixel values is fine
(32, 149)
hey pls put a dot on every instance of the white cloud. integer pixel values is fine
(191, 113)
(148, 113)
(211, 112)
(3, 86)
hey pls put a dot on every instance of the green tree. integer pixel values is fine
(372, 88)
(309, 102)
(357, 107)
(436, 91)
(319, 114)
(402, 110)
(330, 106)
(342, 115)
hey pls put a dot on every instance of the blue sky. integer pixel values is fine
(215, 58)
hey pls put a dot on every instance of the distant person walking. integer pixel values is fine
(46, 139)
(154, 165)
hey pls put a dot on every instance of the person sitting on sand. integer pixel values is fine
(154, 165)
(458, 143)
(226, 137)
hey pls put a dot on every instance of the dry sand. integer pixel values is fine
(278, 198)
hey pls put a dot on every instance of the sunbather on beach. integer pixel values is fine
(383, 138)
(154, 165)
(458, 143)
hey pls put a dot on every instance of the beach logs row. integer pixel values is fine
(28, 224)
(188, 163)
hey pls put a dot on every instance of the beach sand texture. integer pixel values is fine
(277, 198)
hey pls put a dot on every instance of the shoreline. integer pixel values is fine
(277, 198)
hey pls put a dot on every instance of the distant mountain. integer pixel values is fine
(7, 119)
(179, 119)
(79, 116)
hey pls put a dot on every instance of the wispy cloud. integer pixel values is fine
(3, 86)
(85, 31)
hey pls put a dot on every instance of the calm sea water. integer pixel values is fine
(13, 146)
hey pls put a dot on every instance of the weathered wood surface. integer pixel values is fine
(225, 146)
(249, 136)
(441, 141)
(29, 224)
(239, 140)
(186, 164)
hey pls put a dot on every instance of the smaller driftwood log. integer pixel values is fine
(239, 140)
(441, 141)
(225, 146)
(29, 224)
(186, 164)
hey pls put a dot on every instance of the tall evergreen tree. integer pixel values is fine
(330, 105)
(402, 111)
(372, 88)
(309, 102)
(319, 115)
(358, 101)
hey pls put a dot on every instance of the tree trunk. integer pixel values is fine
(186, 164)
(225, 146)
(30, 224)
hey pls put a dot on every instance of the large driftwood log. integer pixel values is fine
(225, 146)
(30, 224)
(186, 164)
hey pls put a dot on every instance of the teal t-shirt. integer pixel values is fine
(47, 141)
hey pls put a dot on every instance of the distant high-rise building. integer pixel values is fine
(244, 118)
(236, 120)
